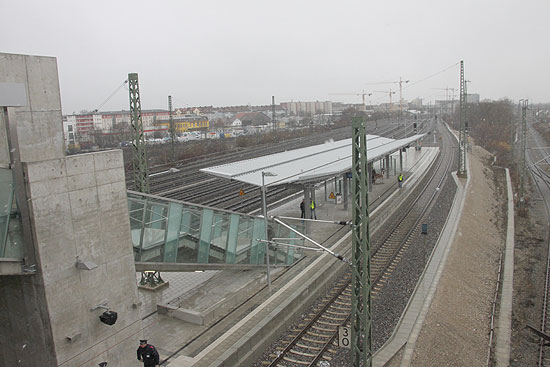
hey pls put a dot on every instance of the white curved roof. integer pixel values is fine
(306, 164)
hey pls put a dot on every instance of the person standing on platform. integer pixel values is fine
(312, 207)
(147, 354)
(303, 209)
(400, 180)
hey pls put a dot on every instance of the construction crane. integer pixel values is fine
(400, 82)
(363, 95)
(447, 92)
(389, 94)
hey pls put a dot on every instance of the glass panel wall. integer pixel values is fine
(171, 231)
(11, 237)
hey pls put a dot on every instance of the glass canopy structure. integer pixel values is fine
(170, 231)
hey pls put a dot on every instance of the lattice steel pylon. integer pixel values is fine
(361, 318)
(523, 165)
(172, 129)
(273, 113)
(462, 133)
(139, 156)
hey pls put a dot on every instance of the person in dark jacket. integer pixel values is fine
(148, 354)
(303, 209)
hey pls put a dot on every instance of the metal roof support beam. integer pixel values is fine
(345, 190)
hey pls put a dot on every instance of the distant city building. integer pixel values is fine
(307, 108)
(253, 118)
(183, 123)
(472, 98)
(416, 103)
(446, 107)
(69, 132)
(85, 126)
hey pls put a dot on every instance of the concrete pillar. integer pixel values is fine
(401, 160)
(370, 178)
(78, 208)
(306, 202)
(387, 159)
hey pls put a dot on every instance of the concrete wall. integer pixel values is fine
(79, 209)
(25, 334)
(39, 124)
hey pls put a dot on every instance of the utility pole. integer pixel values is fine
(361, 317)
(273, 113)
(172, 129)
(401, 96)
(524, 106)
(139, 156)
(462, 133)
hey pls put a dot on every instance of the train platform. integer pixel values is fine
(225, 313)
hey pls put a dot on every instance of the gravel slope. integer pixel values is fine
(456, 329)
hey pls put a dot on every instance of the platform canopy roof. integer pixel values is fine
(306, 165)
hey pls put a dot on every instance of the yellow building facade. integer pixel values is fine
(186, 123)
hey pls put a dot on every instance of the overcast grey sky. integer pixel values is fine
(244, 51)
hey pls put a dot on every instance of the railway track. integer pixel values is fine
(313, 339)
(542, 182)
(184, 181)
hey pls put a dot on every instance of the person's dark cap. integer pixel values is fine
(141, 341)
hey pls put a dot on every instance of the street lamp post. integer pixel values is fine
(264, 209)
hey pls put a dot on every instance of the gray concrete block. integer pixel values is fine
(111, 175)
(58, 257)
(40, 134)
(79, 164)
(43, 83)
(46, 188)
(114, 233)
(94, 282)
(12, 68)
(123, 292)
(84, 202)
(112, 197)
(52, 217)
(88, 244)
(45, 170)
(108, 159)
(81, 181)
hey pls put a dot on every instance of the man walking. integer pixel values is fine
(147, 354)
(400, 180)
(303, 209)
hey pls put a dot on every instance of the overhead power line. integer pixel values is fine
(111, 96)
